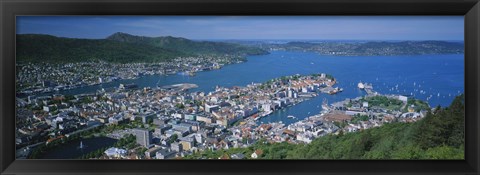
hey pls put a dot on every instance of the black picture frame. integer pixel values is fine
(10, 8)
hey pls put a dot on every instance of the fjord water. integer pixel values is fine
(441, 76)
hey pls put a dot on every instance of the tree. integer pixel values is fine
(180, 106)
(173, 138)
(444, 152)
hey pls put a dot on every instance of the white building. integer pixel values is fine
(365, 104)
(116, 152)
(403, 98)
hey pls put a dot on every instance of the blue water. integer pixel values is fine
(71, 150)
(435, 74)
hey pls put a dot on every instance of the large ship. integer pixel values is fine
(361, 85)
(263, 115)
(335, 90)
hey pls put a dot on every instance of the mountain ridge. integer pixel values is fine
(375, 48)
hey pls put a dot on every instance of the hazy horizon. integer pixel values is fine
(353, 28)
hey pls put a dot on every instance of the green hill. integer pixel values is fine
(120, 47)
(440, 135)
(187, 46)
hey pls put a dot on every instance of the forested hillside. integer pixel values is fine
(121, 48)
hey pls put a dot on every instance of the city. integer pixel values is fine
(264, 87)
(171, 122)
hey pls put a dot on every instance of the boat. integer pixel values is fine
(81, 145)
(335, 90)
(291, 116)
(263, 115)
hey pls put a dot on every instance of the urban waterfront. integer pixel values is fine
(438, 76)
(217, 87)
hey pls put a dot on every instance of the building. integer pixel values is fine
(165, 154)
(237, 156)
(146, 118)
(176, 147)
(187, 143)
(403, 98)
(211, 108)
(144, 137)
(158, 122)
(160, 129)
(205, 119)
(256, 154)
(190, 117)
(150, 153)
(365, 104)
(116, 152)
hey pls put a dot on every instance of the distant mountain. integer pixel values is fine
(186, 45)
(375, 48)
(120, 47)
(411, 47)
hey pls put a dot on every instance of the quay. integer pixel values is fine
(368, 88)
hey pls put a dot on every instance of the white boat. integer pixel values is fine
(291, 116)
(81, 145)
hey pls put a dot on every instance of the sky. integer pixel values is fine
(250, 27)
